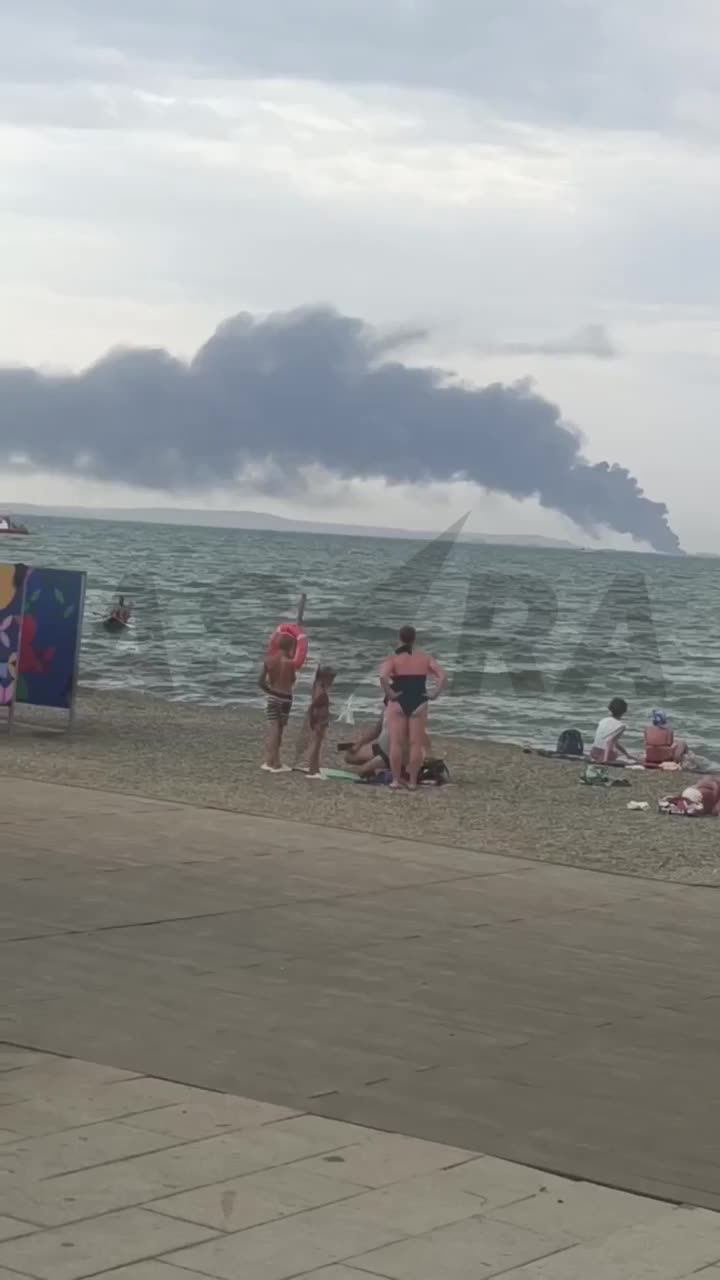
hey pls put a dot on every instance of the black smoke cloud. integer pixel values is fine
(311, 387)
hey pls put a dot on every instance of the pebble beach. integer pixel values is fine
(501, 799)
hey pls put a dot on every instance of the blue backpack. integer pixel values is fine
(570, 743)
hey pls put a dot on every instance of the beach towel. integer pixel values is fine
(681, 807)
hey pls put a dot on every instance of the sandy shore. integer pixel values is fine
(501, 800)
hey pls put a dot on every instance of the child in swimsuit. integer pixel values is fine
(404, 678)
(277, 680)
(607, 747)
(319, 717)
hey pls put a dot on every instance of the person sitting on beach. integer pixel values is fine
(607, 747)
(403, 677)
(318, 717)
(277, 679)
(661, 746)
(369, 754)
(370, 751)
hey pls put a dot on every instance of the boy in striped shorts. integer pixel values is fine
(277, 680)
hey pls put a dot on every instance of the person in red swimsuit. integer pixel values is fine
(661, 745)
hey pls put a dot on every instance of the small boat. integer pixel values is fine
(10, 529)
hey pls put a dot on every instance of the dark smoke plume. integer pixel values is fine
(309, 387)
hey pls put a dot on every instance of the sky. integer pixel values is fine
(528, 190)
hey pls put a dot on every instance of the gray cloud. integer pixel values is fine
(589, 340)
(581, 61)
(311, 387)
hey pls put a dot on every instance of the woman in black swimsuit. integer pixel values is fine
(404, 678)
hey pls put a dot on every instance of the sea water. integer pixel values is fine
(534, 640)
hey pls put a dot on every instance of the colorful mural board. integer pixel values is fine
(40, 629)
(12, 578)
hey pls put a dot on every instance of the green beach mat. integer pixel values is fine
(333, 775)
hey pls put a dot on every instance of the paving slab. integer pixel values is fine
(11, 1059)
(88, 1193)
(582, 1212)
(10, 1228)
(127, 1182)
(219, 1113)
(151, 1271)
(415, 1207)
(674, 1248)
(52, 1109)
(327, 1273)
(387, 1158)
(84, 1248)
(75, 1149)
(463, 1251)
(257, 1198)
(287, 1247)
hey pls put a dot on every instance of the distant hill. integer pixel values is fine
(261, 520)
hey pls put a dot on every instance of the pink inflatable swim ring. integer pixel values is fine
(298, 635)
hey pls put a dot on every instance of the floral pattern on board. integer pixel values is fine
(12, 578)
(50, 637)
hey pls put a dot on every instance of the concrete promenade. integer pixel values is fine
(536, 1014)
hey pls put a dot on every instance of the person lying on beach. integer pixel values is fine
(700, 801)
(707, 793)
(607, 747)
(277, 679)
(661, 746)
(403, 677)
(318, 717)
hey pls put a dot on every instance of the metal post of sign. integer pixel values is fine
(11, 708)
(76, 669)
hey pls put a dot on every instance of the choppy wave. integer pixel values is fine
(534, 640)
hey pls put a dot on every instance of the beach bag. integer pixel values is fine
(570, 743)
(592, 776)
(434, 772)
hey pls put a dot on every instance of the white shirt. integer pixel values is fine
(608, 728)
